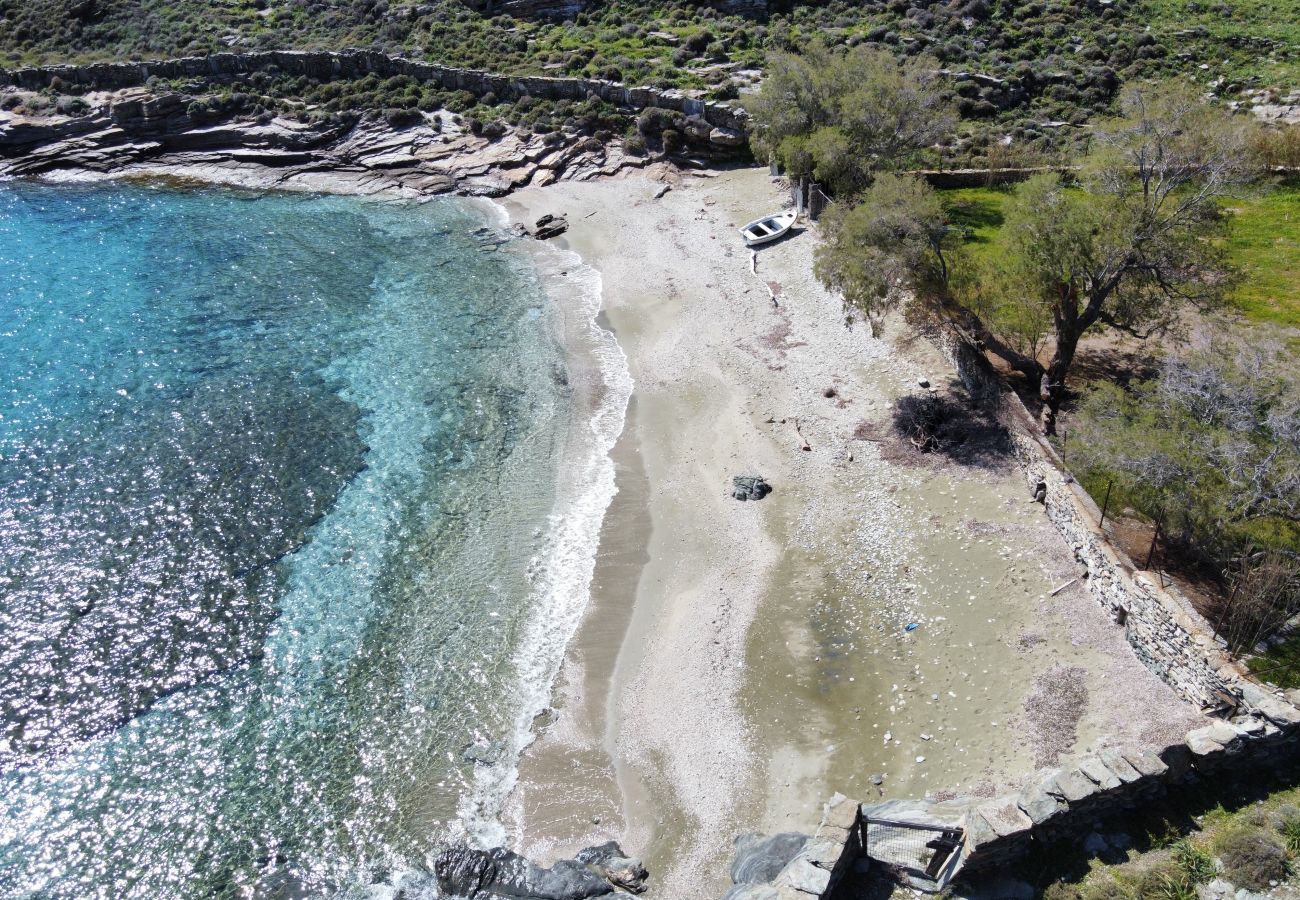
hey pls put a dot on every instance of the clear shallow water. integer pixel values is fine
(298, 501)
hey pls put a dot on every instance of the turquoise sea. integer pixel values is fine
(299, 498)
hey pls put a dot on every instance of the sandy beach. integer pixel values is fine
(740, 661)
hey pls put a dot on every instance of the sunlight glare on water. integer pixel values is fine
(273, 470)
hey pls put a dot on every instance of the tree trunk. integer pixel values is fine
(983, 339)
(1051, 390)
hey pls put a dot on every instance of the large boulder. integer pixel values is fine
(611, 863)
(727, 137)
(480, 874)
(759, 859)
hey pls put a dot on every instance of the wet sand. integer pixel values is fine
(739, 662)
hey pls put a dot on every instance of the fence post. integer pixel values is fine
(1152, 552)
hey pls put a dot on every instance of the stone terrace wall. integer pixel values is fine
(1261, 733)
(1166, 633)
(1067, 803)
(359, 63)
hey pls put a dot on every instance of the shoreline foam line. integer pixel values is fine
(561, 575)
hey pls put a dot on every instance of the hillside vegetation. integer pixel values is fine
(1027, 69)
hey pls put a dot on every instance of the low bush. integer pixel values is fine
(1251, 858)
(1105, 887)
(1290, 833)
(1166, 882)
(1062, 891)
(1194, 861)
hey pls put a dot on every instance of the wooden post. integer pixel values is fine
(1152, 552)
(1105, 504)
(1227, 608)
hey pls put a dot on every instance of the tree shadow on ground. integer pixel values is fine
(946, 427)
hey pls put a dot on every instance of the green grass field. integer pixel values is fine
(979, 212)
(1264, 244)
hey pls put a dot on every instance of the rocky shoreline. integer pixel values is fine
(123, 121)
(135, 132)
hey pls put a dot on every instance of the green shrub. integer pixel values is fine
(1062, 891)
(1290, 832)
(1195, 862)
(1105, 887)
(1166, 882)
(402, 118)
(1251, 858)
(634, 143)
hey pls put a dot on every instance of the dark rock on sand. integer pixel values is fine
(749, 487)
(610, 862)
(482, 874)
(549, 226)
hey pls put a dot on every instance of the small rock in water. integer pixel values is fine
(483, 753)
(749, 487)
(877, 780)
(920, 759)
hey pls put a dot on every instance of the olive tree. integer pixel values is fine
(839, 116)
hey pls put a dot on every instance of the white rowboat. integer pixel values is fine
(768, 228)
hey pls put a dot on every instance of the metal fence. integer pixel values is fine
(911, 849)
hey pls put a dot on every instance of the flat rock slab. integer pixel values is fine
(1097, 771)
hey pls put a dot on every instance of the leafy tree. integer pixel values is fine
(1128, 248)
(895, 241)
(840, 116)
(1139, 243)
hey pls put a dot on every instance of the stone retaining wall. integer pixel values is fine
(359, 63)
(1260, 730)
(1166, 633)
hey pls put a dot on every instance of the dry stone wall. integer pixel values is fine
(1166, 633)
(732, 120)
(1259, 730)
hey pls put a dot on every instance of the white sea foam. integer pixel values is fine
(560, 575)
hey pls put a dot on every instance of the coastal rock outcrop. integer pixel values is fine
(549, 226)
(136, 132)
(598, 871)
(609, 861)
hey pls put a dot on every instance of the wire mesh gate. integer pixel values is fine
(911, 849)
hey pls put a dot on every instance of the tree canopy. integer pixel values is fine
(1127, 245)
(839, 116)
(1210, 449)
